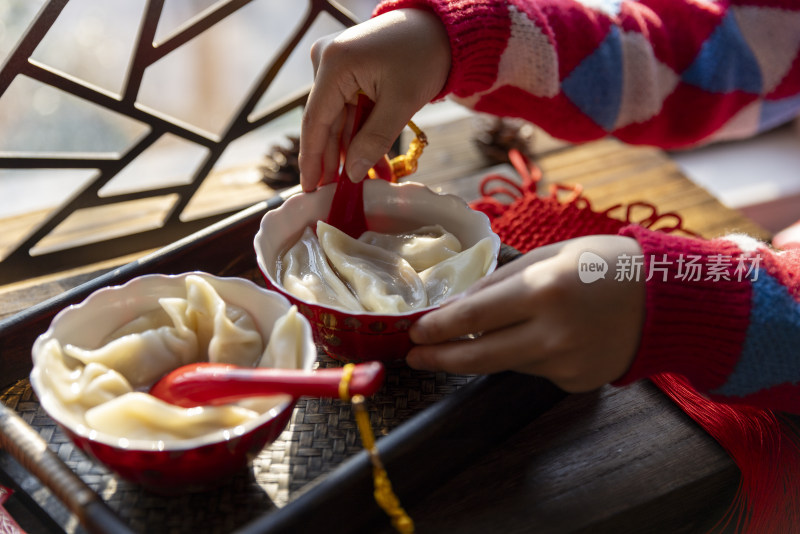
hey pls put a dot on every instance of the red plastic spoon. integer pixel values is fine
(214, 383)
(347, 208)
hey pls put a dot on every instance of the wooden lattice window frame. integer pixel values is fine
(20, 263)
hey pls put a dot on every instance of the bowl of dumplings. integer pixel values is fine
(95, 364)
(361, 295)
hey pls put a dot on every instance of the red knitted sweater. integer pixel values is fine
(725, 313)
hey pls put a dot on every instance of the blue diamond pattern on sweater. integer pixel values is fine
(595, 85)
(769, 355)
(776, 112)
(725, 62)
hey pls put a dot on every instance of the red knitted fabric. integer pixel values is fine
(532, 220)
(764, 445)
(668, 73)
(689, 312)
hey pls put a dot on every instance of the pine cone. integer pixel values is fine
(499, 135)
(280, 167)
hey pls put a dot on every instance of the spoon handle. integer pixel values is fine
(347, 208)
(215, 384)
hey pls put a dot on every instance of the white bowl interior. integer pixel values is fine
(389, 208)
(88, 323)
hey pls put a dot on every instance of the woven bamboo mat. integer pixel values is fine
(321, 434)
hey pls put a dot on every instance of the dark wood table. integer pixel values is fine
(615, 460)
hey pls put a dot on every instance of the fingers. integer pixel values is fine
(319, 157)
(506, 296)
(332, 154)
(319, 160)
(318, 47)
(542, 320)
(516, 266)
(490, 353)
(324, 118)
(535, 346)
(318, 138)
(505, 303)
(509, 316)
(373, 56)
(376, 137)
(318, 143)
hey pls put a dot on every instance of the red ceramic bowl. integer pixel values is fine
(175, 465)
(362, 336)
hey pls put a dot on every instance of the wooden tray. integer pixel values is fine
(315, 476)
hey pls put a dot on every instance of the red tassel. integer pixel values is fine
(764, 446)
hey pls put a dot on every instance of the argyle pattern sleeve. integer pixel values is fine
(724, 313)
(668, 73)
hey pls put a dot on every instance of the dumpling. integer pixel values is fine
(225, 333)
(143, 357)
(305, 273)
(383, 281)
(98, 387)
(456, 274)
(149, 321)
(285, 347)
(79, 386)
(138, 415)
(200, 327)
(422, 248)
(382, 272)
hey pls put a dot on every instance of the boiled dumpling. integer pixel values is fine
(383, 281)
(98, 386)
(79, 386)
(225, 333)
(285, 347)
(422, 248)
(138, 415)
(143, 357)
(149, 321)
(382, 272)
(200, 327)
(457, 273)
(305, 273)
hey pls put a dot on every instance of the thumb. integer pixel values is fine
(375, 138)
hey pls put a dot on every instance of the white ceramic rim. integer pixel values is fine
(293, 204)
(54, 409)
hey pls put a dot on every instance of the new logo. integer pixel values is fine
(591, 267)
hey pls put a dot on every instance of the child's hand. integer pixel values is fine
(400, 60)
(536, 316)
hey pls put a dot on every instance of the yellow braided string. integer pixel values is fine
(383, 493)
(406, 164)
(344, 383)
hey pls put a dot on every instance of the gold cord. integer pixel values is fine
(406, 164)
(384, 495)
(344, 383)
